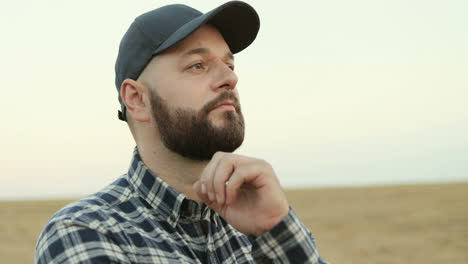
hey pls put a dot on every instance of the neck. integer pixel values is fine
(179, 172)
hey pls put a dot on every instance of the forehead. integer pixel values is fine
(206, 41)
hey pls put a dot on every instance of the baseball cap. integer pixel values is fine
(155, 31)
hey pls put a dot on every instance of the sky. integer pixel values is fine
(335, 93)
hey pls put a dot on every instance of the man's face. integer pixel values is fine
(193, 95)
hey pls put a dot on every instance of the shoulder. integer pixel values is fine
(98, 211)
(87, 223)
(79, 233)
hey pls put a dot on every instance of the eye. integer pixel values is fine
(197, 66)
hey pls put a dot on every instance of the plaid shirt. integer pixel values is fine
(141, 219)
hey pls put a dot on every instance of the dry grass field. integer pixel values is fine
(391, 224)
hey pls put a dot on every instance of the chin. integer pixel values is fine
(224, 119)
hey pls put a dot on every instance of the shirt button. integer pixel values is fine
(172, 218)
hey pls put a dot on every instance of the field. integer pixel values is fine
(390, 224)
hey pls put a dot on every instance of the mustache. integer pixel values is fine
(221, 98)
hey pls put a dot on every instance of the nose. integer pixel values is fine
(225, 78)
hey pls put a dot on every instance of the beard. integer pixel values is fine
(191, 134)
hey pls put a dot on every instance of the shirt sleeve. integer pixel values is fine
(287, 242)
(62, 243)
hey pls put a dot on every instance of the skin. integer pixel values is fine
(190, 74)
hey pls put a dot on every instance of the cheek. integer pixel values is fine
(184, 94)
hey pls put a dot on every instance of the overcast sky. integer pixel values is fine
(334, 92)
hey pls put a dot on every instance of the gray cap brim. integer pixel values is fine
(237, 21)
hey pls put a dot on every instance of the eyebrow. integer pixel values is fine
(228, 55)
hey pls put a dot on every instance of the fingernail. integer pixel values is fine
(203, 188)
(218, 198)
(211, 196)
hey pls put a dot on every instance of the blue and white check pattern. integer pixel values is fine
(141, 219)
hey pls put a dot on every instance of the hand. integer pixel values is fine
(244, 191)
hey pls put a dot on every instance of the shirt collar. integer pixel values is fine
(164, 200)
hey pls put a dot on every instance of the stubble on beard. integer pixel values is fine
(191, 134)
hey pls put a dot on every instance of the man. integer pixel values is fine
(186, 198)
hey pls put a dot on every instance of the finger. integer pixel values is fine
(203, 196)
(200, 193)
(222, 173)
(206, 179)
(250, 173)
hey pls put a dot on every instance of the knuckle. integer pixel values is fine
(223, 157)
(229, 158)
(218, 154)
(241, 171)
(266, 165)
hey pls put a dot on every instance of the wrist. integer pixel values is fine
(272, 221)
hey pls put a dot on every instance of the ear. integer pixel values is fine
(134, 95)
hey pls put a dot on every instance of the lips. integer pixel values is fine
(226, 101)
(227, 105)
